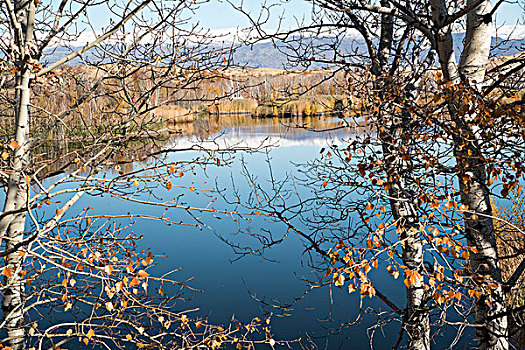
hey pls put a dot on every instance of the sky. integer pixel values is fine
(218, 14)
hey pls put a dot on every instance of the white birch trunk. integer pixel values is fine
(403, 206)
(491, 334)
(12, 226)
(475, 193)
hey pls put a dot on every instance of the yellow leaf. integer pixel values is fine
(171, 169)
(239, 346)
(69, 332)
(135, 183)
(7, 272)
(143, 274)
(109, 306)
(5, 155)
(128, 337)
(340, 281)
(28, 179)
(14, 144)
(90, 334)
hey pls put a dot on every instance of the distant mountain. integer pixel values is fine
(270, 55)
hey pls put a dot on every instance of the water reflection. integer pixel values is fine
(226, 286)
(221, 132)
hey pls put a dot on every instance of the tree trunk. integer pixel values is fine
(16, 200)
(480, 233)
(475, 193)
(13, 225)
(479, 230)
(404, 209)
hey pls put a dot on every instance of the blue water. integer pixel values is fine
(227, 284)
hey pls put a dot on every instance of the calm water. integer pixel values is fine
(226, 285)
(212, 266)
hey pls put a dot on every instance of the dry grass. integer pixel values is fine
(511, 250)
(174, 114)
(240, 106)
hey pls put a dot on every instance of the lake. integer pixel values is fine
(229, 284)
(226, 284)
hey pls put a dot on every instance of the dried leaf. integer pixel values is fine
(7, 272)
(14, 145)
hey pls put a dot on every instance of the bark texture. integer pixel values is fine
(403, 205)
(468, 150)
(13, 225)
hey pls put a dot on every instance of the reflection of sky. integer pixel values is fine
(251, 134)
(205, 258)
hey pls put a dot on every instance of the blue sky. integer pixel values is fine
(218, 14)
